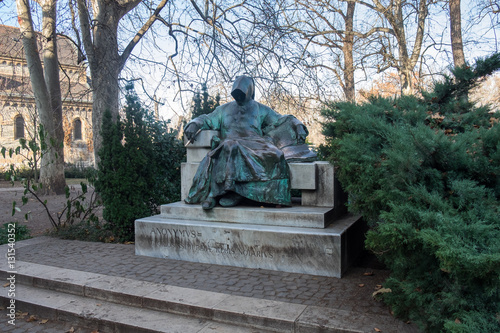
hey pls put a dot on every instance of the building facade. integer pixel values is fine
(18, 113)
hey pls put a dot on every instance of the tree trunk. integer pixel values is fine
(100, 40)
(457, 45)
(105, 73)
(52, 174)
(48, 101)
(405, 67)
(347, 49)
(405, 75)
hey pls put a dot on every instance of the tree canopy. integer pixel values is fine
(312, 50)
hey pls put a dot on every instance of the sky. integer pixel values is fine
(480, 40)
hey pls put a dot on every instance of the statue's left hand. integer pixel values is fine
(301, 133)
(190, 131)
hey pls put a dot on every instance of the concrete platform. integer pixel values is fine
(89, 295)
(296, 216)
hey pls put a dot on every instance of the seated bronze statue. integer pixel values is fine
(249, 160)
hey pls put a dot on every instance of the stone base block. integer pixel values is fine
(188, 170)
(325, 252)
(203, 139)
(195, 155)
(316, 180)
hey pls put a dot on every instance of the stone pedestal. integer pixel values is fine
(186, 235)
(316, 237)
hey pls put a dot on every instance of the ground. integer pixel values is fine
(357, 286)
(38, 221)
(38, 224)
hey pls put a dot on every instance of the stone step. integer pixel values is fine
(257, 313)
(108, 317)
(296, 216)
(116, 304)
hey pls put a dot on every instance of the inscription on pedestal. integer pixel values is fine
(299, 250)
(192, 240)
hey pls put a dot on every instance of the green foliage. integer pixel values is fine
(204, 103)
(31, 151)
(75, 171)
(20, 231)
(426, 174)
(86, 230)
(77, 208)
(139, 168)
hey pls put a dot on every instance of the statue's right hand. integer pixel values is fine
(190, 131)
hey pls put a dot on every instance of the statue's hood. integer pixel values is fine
(243, 89)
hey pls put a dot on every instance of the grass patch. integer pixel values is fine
(76, 181)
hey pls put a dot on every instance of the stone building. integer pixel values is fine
(18, 114)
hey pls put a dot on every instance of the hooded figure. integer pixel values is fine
(244, 163)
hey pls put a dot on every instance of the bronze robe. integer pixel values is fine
(245, 161)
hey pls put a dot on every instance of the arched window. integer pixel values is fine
(77, 129)
(19, 127)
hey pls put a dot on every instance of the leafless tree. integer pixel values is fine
(326, 29)
(212, 43)
(486, 13)
(46, 88)
(99, 23)
(398, 14)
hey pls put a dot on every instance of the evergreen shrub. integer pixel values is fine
(139, 167)
(77, 172)
(425, 173)
(89, 230)
(204, 103)
(21, 232)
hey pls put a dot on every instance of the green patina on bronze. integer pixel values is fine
(250, 158)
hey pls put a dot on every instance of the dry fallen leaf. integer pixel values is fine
(96, 331)
(361, 285)
(368, 274)
(377, 329)
(31, 318)
(43, 321)
(71, 330)
(378, 286)
(6, 285)
(21, 315)
(382, 291)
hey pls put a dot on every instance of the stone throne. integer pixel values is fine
(314, 236)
